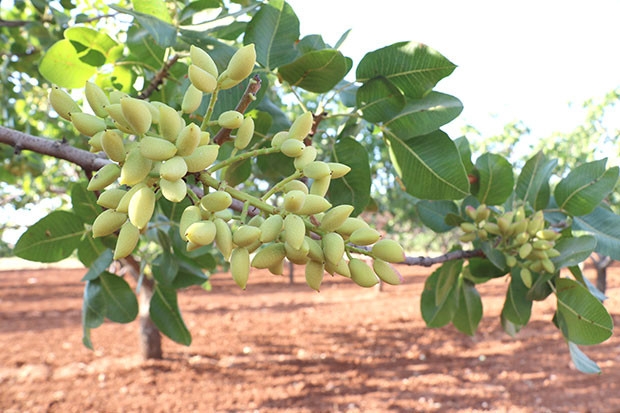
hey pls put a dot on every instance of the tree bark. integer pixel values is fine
(150, 337)
(601, 263)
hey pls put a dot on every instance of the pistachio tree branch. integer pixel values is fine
(248, 97)
(58, 149)
(159, 78)
(450, 256)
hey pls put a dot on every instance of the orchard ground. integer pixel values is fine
(278, 347)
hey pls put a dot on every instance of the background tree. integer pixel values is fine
(167, 80)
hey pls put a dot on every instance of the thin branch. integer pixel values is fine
(14, 23)
(58, 149)
(450, 256)
(248, 97)
(159, 78)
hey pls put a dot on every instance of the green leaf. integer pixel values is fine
(582, 362)
(93, 309)
(155, 8)
(354, 187)
(541, 288)
(84, 203)
(189, 275)
(495, 256)
(379, 100)
(51, 239)
(573, 250)
(74, 73)
(585, 187)
(578, 274)
(424, 115)
(121, 302)
(533, 182)
(317, 71)
(604, 225)
(481, 270)
(96, 43)
(433, 214)
(495, 179)
(430, 166)
(163, 33)
(462, 144)
(89, 249)
(143, 49)
(439, 299)
(517, 308)
(165, 313)
(274, 30)
(165, 268)
(413, 67)
(584, 320)
(469, 311)
(509, 327)
(99, 266)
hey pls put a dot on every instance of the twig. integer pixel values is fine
(159, 78)
(450, 256)
(58, 149)
(14, 23)
(248, 97)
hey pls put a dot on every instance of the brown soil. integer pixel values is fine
(278, 347)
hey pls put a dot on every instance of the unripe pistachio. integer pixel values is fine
(338, 169)
(314, 204)
(110, 198)
(226, 214)
(201, 158)
(63, 103)
(137, 114)
(115, 96)
(308, 154)
(362, 274)
(190, 215)
(295, 230)
(188, 140)
(95, 142)
(271, 228)
(320, 186)
(115, 111)
(552, 253)
(314, 274)
(86, 123)
(127, 240)
(240, 266)
(191, 99)
(542, 244)
(525, 250)
(333, 247)
(389, 250)
(173, 169)
(548, 265)
(97, 99)
(170, 123)
(295, 185)
(511, 261)
(123, 204)
(231, 119)
(277, 269)
(536, 266)
(386, 272)
(135, 169)
(297, 256)
(245, 235)
(548, 235)
(317, 170)
(113, 146)
(242, 63)
(301, 127)
(504, 225)
(205, 138)
(468, 227)
(202, 59)
(526, 277)
(292, 148)
(104, 177)
(216, 201)
(278, 139)
(157, 149)
(315, 252)
(269, 255)
(173, 191)
(492, 228)
(471, 212)
(245, 133)
(294, 200)
(256, 221)
(141, 207)
(364, 236)
(522, 238)
(470, 236)
(201, 79)
(201, 232)
(223, 237)
(107, 222)
(335, 217)
(519, 227)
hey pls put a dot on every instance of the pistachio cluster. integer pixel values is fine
(153, 149)
(524, 240)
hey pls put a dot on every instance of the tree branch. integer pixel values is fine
(58, 149)
(450, 256)
(159, 78)
(248, 97)
(14, 23)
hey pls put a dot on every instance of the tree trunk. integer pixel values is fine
(601, 263)
(150, 337)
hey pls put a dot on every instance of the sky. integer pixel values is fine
(534, 61)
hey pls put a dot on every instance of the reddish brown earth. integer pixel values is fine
(278, 347)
